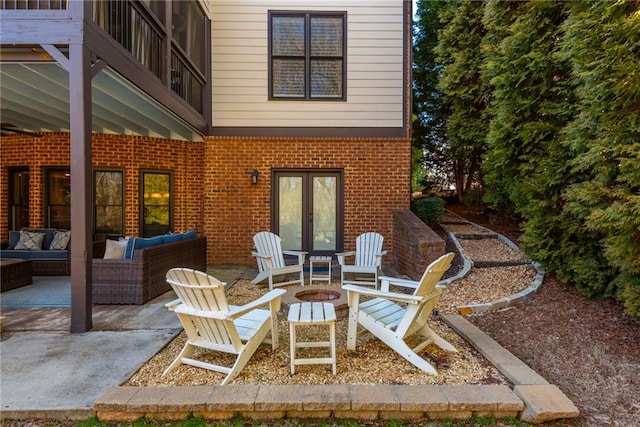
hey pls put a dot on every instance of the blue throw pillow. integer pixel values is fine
(14, 238)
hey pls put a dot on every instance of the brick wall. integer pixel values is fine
(376, 182)
(213, 190)
(130, 153)
(415, 244)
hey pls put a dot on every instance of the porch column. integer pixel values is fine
(81, 187)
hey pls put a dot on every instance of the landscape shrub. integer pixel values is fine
(428, 209)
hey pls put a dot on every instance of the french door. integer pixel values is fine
(307, 210)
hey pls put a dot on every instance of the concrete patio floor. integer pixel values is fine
(47, 373)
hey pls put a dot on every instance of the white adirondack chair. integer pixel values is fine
(212, 324)
(367, 260)
(270, 258)
(394, 316)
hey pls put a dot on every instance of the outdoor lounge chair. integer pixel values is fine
(367, 260)
(212, 324)
(270, 258)
(394, 316)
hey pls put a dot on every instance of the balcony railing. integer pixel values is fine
(131, 30)
(185, 82)
(33, 4)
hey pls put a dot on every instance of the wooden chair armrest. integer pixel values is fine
(265, 299)
(259, 255)
(301, 255)
(171, 305)
(385, 281)
(394, 296)
(235, 311)
(342, 255)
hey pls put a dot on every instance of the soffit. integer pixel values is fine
(34, 97)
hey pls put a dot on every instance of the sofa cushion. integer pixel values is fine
(15, 254)
(60, 240)
(115, 249)
(50, 254)
(143, 243)
(171, 237)
(191, 234)
(14, 238)
(30, 241)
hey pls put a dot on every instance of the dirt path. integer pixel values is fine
(587, 347)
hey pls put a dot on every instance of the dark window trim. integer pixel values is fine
(122, 193)
(11, 214)
(307, 15)
(141, 196)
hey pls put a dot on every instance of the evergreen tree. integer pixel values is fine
(526, 167)
(602, 41)
(458, 49)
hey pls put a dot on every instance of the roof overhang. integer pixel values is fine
(35, 98)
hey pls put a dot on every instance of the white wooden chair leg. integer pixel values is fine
(187, 351)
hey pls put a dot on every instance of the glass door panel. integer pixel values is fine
(290, 212)
(324, 213)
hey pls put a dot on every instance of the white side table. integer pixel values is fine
(319, 259)
(312, 313)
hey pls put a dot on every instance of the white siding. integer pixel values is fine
(374, 84)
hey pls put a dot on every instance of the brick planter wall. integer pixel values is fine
(415, 245)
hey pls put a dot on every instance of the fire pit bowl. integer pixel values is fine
(332, 295)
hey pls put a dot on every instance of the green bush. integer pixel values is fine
(428, 209)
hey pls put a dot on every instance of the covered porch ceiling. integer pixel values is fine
(34, 97)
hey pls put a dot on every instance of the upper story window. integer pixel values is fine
(307, 55)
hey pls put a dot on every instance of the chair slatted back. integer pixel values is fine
(416, 316)
(367, 246)
(199, 291)
(268, 243)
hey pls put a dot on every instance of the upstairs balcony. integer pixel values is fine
(168, 38)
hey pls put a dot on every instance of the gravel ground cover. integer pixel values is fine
(372, 362)
(483, 285)
(490, 249)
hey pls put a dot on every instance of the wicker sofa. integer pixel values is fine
(45, 261)
(142, 278)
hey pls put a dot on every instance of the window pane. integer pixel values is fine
(109, 220)
(109, 209)
(156, 212)
(324, 213)
(188, 30)
(326, 36)
(287, 34)
(288, 78)
(290, 210)
(326, 79)
(59, 199)
(108, 188)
